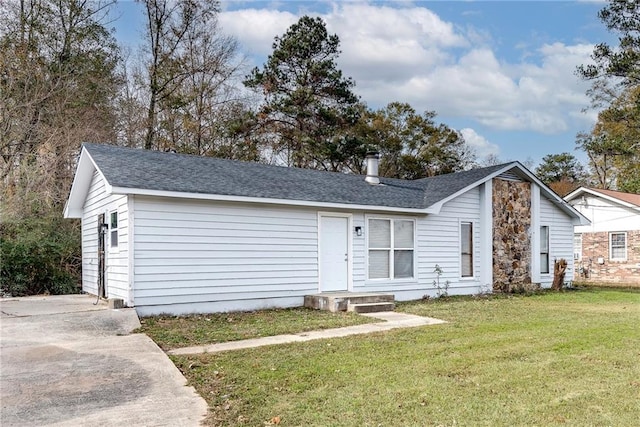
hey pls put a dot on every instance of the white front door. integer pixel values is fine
(334, 253)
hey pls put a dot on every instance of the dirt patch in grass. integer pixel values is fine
(608, 285)
(565, 358)
(171, 332)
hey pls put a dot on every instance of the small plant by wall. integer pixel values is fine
(442, 289)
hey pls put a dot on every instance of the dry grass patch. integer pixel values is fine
(549, 359)
(608, 285)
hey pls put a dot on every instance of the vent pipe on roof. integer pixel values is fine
(372, 168)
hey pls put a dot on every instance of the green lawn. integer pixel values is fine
(170, 332)
(570, 358)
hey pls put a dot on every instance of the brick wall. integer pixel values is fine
(595, 245)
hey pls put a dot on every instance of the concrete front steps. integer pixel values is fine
(350, 301)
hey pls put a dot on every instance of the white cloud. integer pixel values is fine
(256, 28)
(408, 53)
(479, 143)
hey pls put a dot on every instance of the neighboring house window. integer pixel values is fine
(113, 228)
(466, 249)
(544, 249)
(618, 246)
(390, 248)
(577, 247)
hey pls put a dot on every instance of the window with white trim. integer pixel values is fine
(618, 246)
(113, 229)
(577, 247)
(466, 249)
(391, 248)
(544, 249)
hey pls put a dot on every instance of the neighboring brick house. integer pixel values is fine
(608, 250)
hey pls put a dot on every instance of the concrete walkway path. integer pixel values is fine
(392, 320)
(67, 362)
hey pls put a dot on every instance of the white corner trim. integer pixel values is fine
(486, 234)
(131, 259)
(535, 234)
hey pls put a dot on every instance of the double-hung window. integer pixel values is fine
(618, 246)
(577, 247)
(391, 248)
(544, 249)
(113, 229)
(466, 249)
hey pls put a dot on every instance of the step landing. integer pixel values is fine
(340, 301)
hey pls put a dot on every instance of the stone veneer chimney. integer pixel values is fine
(372, 168)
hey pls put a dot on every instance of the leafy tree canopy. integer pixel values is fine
(413, 146)
(560, 167)
(562, 172)
(308, 105)
(621, 17)
(613, 144)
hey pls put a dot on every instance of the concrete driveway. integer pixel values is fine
(65, 361)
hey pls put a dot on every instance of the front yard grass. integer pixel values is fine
(570, 358)
(171, 332)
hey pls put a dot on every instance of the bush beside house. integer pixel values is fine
(39, 256)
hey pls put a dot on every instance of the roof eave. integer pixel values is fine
(577, 217)
(574, 194)
(436, 207)
(265, 200)
(80, 187)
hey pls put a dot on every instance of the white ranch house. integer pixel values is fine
(171, 233)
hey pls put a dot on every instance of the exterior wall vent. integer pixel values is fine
(510, 176)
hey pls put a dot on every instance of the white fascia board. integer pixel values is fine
(246, 199)
(596, 193)
(575, 193)
(80, 187)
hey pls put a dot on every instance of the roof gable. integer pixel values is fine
(629, 200)
(633, 199)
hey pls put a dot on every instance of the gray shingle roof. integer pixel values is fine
(155, 170)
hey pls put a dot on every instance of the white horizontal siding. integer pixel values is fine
(201, 255)
(359, 259)
(117, 277)
(437, 242)
(560, 238)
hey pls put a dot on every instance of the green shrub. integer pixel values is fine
(39, 256)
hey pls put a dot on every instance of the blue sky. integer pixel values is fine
(503, 73)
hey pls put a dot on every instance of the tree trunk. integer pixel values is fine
(559, 270)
